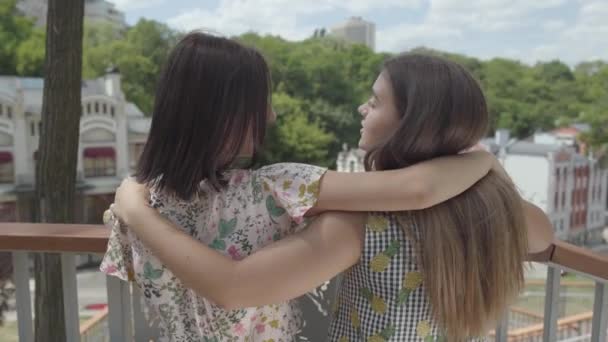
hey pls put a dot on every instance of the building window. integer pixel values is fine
(32, 128)
(555, 206)
(104, 108)
(99, 162)
(88, 108)
(96, 107)
(7, 173)
(9, 112)
(351, 166)
(1, 109)
(40, 128)
(112, 111)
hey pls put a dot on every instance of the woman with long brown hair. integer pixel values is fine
(444, 272)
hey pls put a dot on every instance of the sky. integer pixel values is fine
(527, 30)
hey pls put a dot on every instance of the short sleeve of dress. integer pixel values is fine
(118, 260)
(290, 188)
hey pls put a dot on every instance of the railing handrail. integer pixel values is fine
(49, 237)
(94, 321)
(574, 258)
(562, 323)
(86, 238)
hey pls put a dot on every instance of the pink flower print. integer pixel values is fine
(238, 179)
(239, 329)
(260, 328)
(234, 253)
(298, 219)
(110, 269)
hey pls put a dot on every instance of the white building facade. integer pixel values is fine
(357, 31)
(112, 135)
(570, 188)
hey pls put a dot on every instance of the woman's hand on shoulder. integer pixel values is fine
(131, 200)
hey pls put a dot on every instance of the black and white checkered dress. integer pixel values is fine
(383, 297)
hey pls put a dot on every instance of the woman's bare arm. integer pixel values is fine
(281, 271)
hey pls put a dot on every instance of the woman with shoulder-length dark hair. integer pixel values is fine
(211, 109)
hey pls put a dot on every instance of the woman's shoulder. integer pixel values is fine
(279, 169)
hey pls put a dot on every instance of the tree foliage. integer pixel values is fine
(318, 83)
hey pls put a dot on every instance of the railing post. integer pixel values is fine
(144, 328)
(21, 277)
(119, 310)
(600, 313)
(551, 304)
(70, 297)
(503, 328)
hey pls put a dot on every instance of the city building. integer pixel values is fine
(566, 136)
(99, 11)
(350, 160)
(569, 187)
(113, 132)
(357, 31)
(549, 172)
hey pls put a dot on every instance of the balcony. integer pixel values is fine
(125, 318)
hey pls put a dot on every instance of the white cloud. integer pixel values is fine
(553, 25)
(450, 25)
(274, 16)
(487, 15)
(585, 39)
(407, 36)
(128, 5)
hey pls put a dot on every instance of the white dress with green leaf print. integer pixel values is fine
(256, 208)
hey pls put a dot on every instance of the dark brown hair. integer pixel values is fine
(471, 248)
(212, 98)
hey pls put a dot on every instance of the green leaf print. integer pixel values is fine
(218, 244)
(273, 209)
(151, 273)
(276, 236)
(227, 227)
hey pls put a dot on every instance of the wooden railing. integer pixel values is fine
(127, 321)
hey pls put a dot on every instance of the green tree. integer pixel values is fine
(14, 29)
(295, 137)
(30, 55)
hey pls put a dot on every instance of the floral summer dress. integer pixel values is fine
(382, 298)
(255, 209)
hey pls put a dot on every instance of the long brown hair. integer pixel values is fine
(471, 248)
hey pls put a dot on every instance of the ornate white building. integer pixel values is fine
(350, 160)
(113, 132)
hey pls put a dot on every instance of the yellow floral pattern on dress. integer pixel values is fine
(383, 336)
(377, 224)
(381, 261)
(411, 282)
(378, 305)
(354, 319)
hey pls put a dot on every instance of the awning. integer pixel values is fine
(6, 157)
(99, 152)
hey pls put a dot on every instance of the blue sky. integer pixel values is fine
(528, 30)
